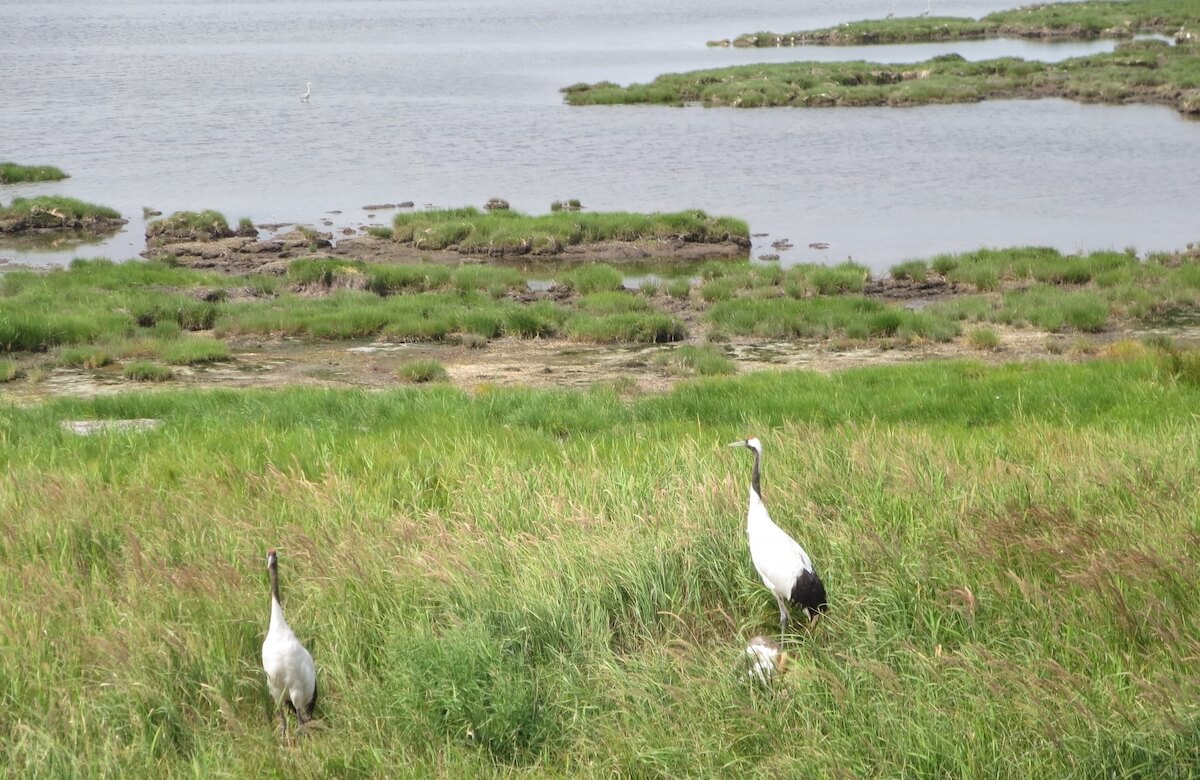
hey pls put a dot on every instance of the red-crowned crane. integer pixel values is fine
(784, 567)
(291, 674)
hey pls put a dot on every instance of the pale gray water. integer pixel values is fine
(195, 105)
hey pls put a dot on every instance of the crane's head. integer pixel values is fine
(272, 559)
(752, 443)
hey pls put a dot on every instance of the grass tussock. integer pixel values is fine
(420, 371)
(543, 586)
(14, 173)
(145, 371)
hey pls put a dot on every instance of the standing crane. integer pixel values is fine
(291, 674)
(781, 562)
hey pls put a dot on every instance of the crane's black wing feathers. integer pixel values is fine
(808, 592)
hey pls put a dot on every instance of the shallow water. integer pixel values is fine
(194, 105)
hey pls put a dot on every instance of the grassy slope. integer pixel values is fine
(1141, 71)
(554, 583)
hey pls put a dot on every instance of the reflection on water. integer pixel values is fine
(196, 105)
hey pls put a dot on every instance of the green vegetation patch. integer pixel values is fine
(182, 226)
(419, 371)
(689, 359)
(1138, 71)
(1075, 20)
(193, 350)
(9, 370)
(850, 316)
(545, 580)
(45, 212)
(12, 173)
(145, 371)
(504, 231)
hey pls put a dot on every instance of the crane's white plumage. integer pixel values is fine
(781, 562)
(307, 91)
(291, 673)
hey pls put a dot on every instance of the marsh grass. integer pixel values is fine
(509, 231)
(852, 316)
(70, 208)
(545, 580)
(1051, 21)
(1138, 71)
(916, 270)
(9, 370)
(12, 173)
(88, 357)
(193, 350)
(207, 221)
(592, 277)
(984, 339)
(632, 327)
(420, 371)
(146, 371)
(706, 360)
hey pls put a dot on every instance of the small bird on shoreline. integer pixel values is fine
(781, 562)
(291, 673)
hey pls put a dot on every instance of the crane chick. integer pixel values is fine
(781, 562)
(766, 659)
(291, 673)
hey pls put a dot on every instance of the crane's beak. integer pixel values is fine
(736, 444)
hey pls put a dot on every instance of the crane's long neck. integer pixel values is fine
(755, 481)
(277, 620)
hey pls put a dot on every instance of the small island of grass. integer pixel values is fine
(56, 212)
(1087, 20)
(188, 226)
(1137, 72)
(15, 173)
(508, 232)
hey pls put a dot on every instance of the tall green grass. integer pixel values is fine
(71, 208)
(556, 583)
(13, 173)
(508, 231)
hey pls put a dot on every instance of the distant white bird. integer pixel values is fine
(291, 674)
(928, 7)
(784, 566)
(307, 91)
(766, 659)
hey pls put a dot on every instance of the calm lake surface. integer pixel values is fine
(195, 105)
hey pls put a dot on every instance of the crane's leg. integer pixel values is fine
(283, 732)
(813, 617)
(783, 616)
